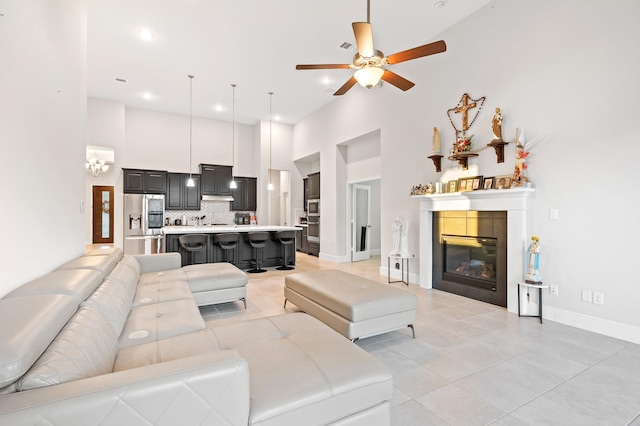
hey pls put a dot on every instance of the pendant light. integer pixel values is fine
(233, 184)
(190, 182)
(270, 186)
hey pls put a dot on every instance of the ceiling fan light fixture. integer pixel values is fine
(368, 76)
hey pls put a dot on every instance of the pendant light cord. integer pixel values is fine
(233, 128)
(190, 120)
(270, 133)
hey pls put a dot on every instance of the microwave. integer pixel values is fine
(313, 207)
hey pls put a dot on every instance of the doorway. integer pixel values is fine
(360, 222)
(102, 227)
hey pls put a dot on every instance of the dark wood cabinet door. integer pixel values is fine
(155, 182)
(133, 181)
(251, 186)
(215, 179)
(245, 195)
(173, 199)
(305, 193)
(137, 181)
(314, 186)
(191, 195)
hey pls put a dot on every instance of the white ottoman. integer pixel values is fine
(353, 306)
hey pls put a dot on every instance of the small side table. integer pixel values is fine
(402, 260)
(534, 286)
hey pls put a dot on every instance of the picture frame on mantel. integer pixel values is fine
(453, 186)
(502, 182)
(488, 183)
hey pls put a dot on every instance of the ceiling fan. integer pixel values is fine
(370, 63)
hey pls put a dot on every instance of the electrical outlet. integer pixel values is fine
(81, 206)
(587, 296)
(553, 214)
(553, 289)
(598, 298)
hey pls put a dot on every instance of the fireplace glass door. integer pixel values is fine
(470, 260)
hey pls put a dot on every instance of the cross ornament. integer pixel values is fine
(463, 107)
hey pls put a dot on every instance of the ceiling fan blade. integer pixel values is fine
(400, 82)
(364, 38)
(417, 52)
(345, 87)
(323, 67)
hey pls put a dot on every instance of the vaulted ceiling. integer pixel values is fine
(254, 44)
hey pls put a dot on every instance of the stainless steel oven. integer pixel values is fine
(313, 229)
(313, 221)
(313, 207)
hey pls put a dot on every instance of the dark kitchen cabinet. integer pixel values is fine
(137, 181)
(305, 193)
(179, 195)
(245, 195)
(314, 186)
(302, 244)
(216, 179)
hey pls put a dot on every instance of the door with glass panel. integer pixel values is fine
(360, 222)
(102, 214)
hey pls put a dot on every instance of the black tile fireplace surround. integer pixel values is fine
(470, 254)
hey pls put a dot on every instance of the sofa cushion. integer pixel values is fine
(201, 277)
(85, 347)
(303, 372)
(163, 350)
(103, 264)
(107, 251)
(162, 292)
(79, 283)
(28, 325)
(127, 272)
(113, 300)
(160, 321)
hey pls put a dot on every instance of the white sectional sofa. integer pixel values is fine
(112, 339)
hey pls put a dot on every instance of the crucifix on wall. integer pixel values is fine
(466, 103)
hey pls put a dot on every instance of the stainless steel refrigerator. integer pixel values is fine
(143, 221)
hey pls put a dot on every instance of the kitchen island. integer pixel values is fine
(242, 256)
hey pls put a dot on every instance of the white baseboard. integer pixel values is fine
(335, 259)
(609, 328)
(376, 252)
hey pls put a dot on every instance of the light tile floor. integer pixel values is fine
(477, 364)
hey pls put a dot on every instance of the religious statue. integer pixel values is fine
(435, 149)
(496, 125)
(533, 275)
(400, 231)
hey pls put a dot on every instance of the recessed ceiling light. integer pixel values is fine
(276, 117)
(146, 35)
(438, 4)
(219, 108)
(326, 80)
(147, 95)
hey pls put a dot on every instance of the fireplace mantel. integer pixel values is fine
(513, 201)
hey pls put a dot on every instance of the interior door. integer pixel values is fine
(360, 222)
(102, 214)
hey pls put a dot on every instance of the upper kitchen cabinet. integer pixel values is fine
(245, 195)
(179, 195)
(138, 181)
(215, 180)
(314, 186)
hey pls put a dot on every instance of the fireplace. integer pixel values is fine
(469, 256)
(511, 202)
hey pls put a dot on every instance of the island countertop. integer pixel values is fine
(216, 229)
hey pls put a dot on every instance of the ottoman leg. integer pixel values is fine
(413, 331)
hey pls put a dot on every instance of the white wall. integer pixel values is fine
(105, 127)
(563, 69)
(42, 117)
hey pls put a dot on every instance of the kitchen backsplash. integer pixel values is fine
(214, 211)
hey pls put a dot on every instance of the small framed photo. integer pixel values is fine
(453, 186)
(488, 183)
(476, 182)
(502, 182)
